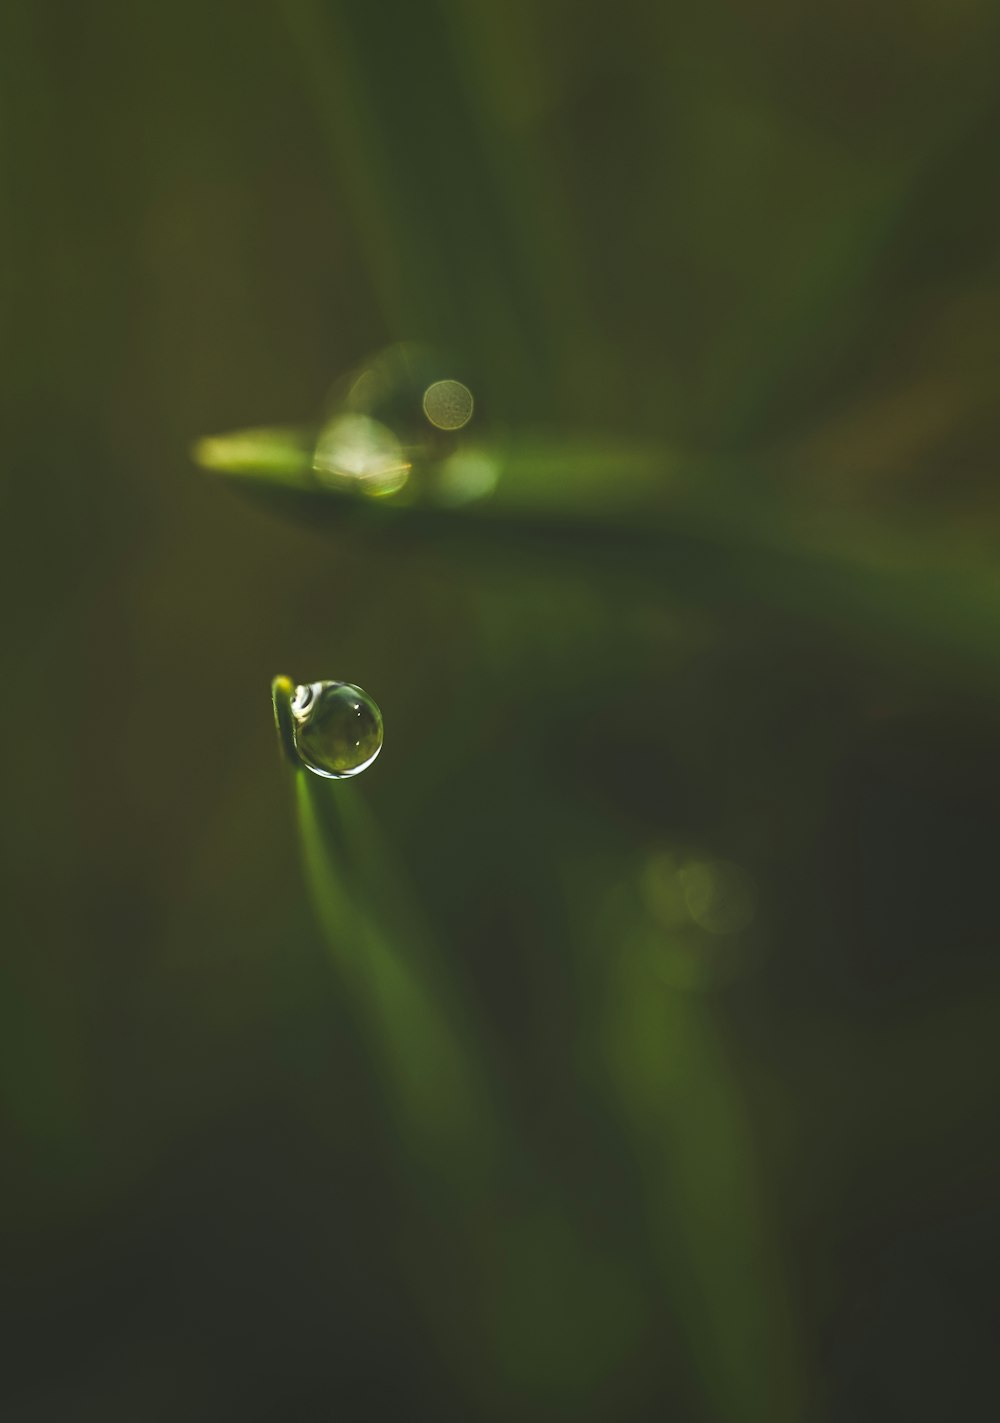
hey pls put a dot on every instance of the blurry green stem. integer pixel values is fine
(706, 1216)
(422, 1046)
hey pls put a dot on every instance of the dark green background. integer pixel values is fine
(762, 238)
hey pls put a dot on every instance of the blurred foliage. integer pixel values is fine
(621, 1045)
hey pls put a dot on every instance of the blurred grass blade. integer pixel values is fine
(700, 1176)
(428, 1066)
(522, 477)
(280, 454)
(913, 592)
(467, 274)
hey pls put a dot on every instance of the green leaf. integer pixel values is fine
(910, 593)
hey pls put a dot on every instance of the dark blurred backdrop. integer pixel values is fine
(748, 1176)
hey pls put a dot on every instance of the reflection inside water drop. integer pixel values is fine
(337, 728)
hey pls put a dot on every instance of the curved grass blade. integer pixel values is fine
(428, 1065)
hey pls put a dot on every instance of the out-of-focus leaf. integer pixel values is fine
(703, 1204)
(421, 1045)
(912, 594)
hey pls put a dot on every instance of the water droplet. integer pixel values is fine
(337, 728)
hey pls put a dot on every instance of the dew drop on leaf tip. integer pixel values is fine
(337, 728)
